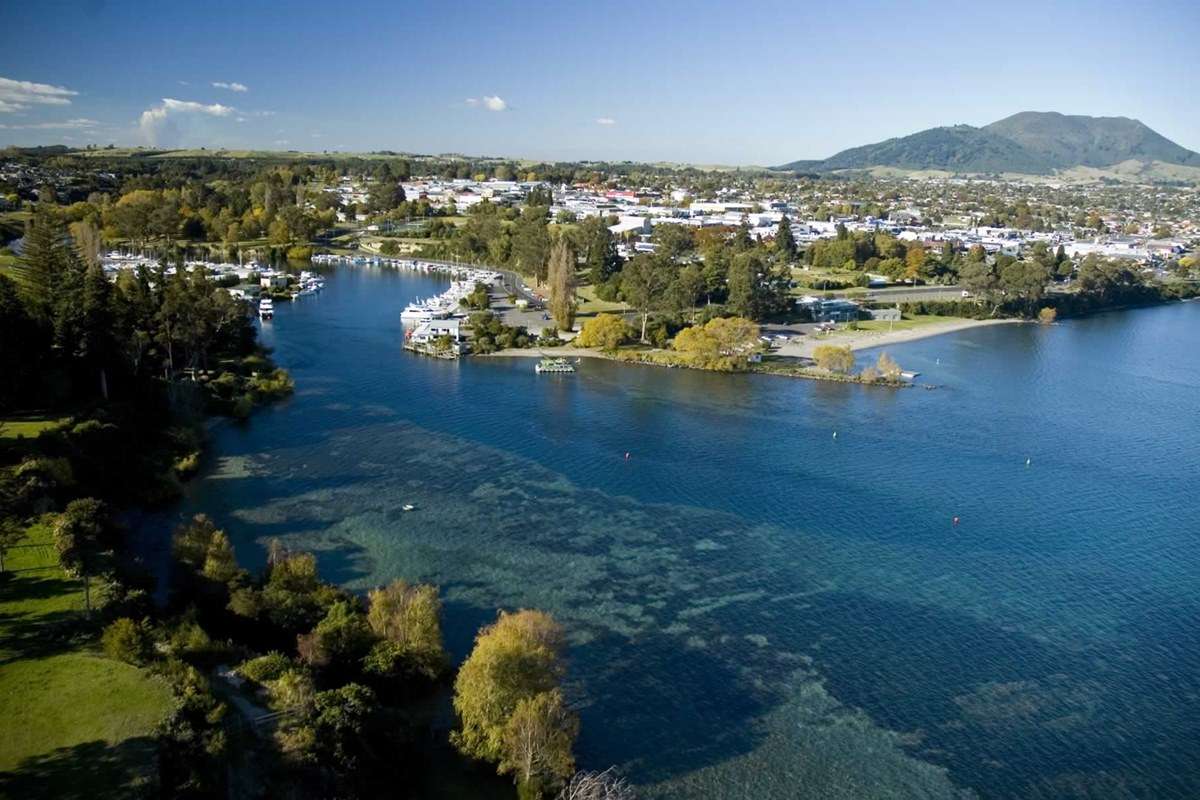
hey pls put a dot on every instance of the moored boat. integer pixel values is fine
(553, 365)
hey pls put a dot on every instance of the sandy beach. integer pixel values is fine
(862, 340)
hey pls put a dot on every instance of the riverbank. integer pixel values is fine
(866, 339)
(797, 348)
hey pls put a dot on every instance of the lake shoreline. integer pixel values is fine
(801, 348)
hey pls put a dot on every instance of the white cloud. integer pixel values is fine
(158, 125)
(232, 86)
(489, 101)
(605, 121)
(20, 95)
(281, 141)
(66, 125)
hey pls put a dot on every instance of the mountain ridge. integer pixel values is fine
(1028, 142)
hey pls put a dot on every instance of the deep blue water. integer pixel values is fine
(757, 608)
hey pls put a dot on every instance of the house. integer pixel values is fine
(835, 310)
(426, 332)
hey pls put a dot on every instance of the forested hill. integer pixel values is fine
(1030, 142)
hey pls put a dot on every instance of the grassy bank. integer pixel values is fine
(75, 724)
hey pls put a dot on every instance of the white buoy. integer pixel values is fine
(1028, 461)
(835, 434)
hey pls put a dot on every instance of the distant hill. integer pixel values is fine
(1031, 142)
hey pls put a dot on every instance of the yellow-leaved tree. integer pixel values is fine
(509, 704)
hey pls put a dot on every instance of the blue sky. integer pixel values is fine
(702, 82)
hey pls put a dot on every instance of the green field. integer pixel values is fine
(590, 305)
(28, 427)
(75, 724)
(907, 322)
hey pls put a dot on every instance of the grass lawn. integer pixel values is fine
(75, 724)
(28, 427)
(590, 305)
(907, 322)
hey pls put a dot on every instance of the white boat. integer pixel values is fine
(266, 308)
(407, 507)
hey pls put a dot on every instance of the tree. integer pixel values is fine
(538, 739)
(724, 343)
(673, 241)
(606, 331)
(409, 617)
(94, 345)
(914, 262)
(834, 358)
(686, 289)
(755, 290)
(386, 194)
(340, 640)
(599, 249)
(562, 284)
(343, 717)
(785, 242)
(606, 785)
(126, 640)
(644, 281)
(887, 367)
(45, 262)
(531, 243)
(82, 535)
(514, 659)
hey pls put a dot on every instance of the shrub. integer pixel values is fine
(834, 358)
(299, 253)
(126, 640)
(266, 668)
(888, 368)
(272, 386)
(188, 464)
(1047, 315)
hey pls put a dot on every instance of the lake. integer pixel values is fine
(757, 608)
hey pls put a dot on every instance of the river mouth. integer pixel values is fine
(757, 608)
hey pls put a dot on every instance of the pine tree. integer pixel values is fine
(785, 242)
(44, 262)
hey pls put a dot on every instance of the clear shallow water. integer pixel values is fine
(758, 609)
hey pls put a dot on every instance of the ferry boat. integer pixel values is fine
(553, 365)
(266, 308)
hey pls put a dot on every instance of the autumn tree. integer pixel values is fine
(407, 618)
(515, 659)
(834, 358)
(538, 739)
(606, 331)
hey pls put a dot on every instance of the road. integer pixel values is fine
(908, 294)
